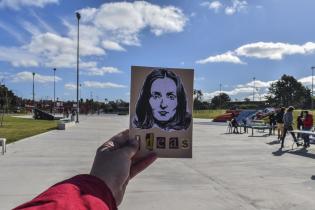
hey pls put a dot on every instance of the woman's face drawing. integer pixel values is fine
(163, 99)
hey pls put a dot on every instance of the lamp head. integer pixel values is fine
(78, 15)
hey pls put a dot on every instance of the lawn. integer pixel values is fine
(14, 129)
(208, 114)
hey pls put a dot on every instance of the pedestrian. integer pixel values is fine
(234, 125)
(299, 124)
(307, 126)
(73, 115)
(279, 120)
(288, 125)
(272, 123)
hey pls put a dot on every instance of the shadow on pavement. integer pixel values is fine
(273, 142)
(279, 152)
(302, 152)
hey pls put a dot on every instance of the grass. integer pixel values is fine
(208, 114)
(14, 129)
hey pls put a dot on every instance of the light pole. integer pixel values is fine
(254, 89)
(33, 90)
(54, 90)
(313, 67)
(220, 96)
(78, 18)
(80, 91)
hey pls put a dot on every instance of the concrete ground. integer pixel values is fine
(227, 171)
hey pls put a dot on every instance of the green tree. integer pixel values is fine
(220, 101)
(289, 92)
(197, 99)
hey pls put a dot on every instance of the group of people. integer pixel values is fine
(284, 123)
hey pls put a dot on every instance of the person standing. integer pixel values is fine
(279, 120)
(288, 125)
(307, 126)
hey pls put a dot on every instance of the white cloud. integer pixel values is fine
(136, 16)
(70, 86)
(30, 27)
(12, 32)
(95, 84)
(110, 45)
(227, 57)
(257, 83)
(237, 6)
(245, 90)
(307, 81)
(274, 51)
(214, 5)
(27, 76)
(199, 78)
(95, 71)
(229, 9)
(18, 57)
(17, 4)
(43, 24)
(112, 26)
(261, 50)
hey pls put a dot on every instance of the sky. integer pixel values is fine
(227, 42)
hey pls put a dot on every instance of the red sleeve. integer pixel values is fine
(78, 193)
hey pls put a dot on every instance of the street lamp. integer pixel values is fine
(254, 88)
(78, 18)
(313, 67)
(33, 90)
(220, 96)
(54, 89)
(80, 91)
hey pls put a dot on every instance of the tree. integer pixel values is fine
(246, 99)
(220, 101)
(289, 92)
(197, 99)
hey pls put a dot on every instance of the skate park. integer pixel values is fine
(227, 171)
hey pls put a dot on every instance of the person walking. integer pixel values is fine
(288, 125)
(272, 123)
(307, 126)
(279, 120)
(299, 124)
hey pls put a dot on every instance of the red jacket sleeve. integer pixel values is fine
(78, 193)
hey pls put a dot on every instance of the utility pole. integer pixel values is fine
(78, 44)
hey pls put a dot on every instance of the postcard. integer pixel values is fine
(161, 102)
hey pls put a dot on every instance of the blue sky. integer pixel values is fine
(225, 41)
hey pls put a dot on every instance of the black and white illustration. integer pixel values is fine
(162, 102)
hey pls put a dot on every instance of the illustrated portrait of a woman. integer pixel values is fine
(162, 103)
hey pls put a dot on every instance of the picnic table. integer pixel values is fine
(261, 127)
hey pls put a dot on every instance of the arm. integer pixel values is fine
(82, 191)
(114, 165)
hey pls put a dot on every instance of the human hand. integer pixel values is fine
(115, 163)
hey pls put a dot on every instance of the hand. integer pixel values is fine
(115, 164)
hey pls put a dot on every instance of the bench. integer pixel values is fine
(65, 123)
(3, 144)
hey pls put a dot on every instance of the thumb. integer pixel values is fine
(130, 148)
